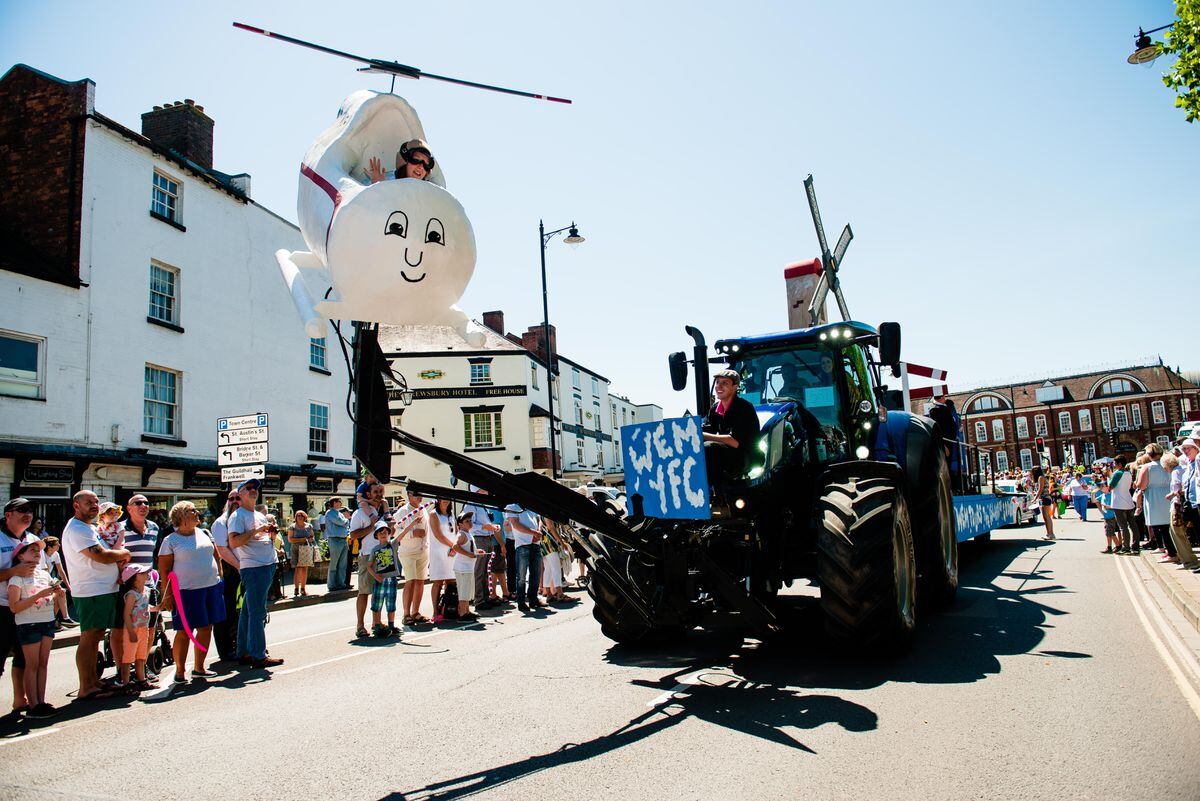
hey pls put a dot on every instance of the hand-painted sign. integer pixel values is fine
(979, 514)
(664, 465)
(430, 375)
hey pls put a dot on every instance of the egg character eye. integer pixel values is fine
(435, 232)
(397, 224)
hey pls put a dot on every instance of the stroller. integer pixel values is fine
(158, 655)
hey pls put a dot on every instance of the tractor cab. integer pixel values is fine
(814, 391)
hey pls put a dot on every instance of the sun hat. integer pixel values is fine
(132, 570)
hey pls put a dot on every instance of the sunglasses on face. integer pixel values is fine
(415, 158)
(139, 503)
(23, 510)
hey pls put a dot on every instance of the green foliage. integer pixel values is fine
(1183, 41)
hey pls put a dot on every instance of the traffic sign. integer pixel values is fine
(230, 475)
(240, 436)
(244, 421)
(246, 453)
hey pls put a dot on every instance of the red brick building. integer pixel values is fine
(1105, 413)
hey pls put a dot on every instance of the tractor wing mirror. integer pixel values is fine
(679, 370)
(889, 344)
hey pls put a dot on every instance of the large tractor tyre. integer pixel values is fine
(618, 621)
(866, 564)
(934, 534)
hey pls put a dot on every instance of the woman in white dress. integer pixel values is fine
(441, 562)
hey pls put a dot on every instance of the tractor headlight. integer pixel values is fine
(755, 472)
(862, 452)
(739, 504)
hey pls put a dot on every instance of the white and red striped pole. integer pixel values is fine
(921, 392)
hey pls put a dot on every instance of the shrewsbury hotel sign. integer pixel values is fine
(462, 392)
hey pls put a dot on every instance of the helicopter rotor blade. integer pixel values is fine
(393, 68)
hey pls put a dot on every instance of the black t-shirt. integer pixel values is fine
(740, 421)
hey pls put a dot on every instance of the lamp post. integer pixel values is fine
(572, 238)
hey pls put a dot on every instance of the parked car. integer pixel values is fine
(1023, 499)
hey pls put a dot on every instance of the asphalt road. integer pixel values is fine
(1055, 675)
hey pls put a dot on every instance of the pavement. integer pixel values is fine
(1057, 673)
(1180, 584)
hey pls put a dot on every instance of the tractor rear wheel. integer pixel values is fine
(866, 564)
(934, 534)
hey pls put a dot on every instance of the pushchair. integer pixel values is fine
(159, 654)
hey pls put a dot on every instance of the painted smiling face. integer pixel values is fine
(401, 251)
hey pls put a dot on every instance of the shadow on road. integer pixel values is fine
(760, 689)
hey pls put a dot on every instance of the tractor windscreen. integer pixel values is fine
(798, 376)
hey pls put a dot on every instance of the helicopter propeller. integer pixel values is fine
(379, 66)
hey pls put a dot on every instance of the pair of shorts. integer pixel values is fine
(1110, 527)
(202, 607)
(414, 565)
(1046, 500)
(137, 651)
(499, 563)
(552, 569)
(466, 585)
(366, 582)
(385, 595)
(32, 633)
(98, 612)
(8, 641)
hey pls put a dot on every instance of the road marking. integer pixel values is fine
(22, 738)
(1140, 596)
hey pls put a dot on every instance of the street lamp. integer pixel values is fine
(572, 238)
(1145, 49)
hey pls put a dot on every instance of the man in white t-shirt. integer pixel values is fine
(412, 532)
(526, 527)
(14, 532)
(94, 569)
(253, 544)
(225, 632)
(362, 524)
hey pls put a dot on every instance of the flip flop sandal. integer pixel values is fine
(361, 633)
(202, 674)
(100, 695)
(420, 620)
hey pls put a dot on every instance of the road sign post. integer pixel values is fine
(242, 451)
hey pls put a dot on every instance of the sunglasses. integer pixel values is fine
(139, 503)
(413, 158)
(22, 510)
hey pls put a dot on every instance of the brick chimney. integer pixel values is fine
(182, 127)
(495, 321)
(533, 341)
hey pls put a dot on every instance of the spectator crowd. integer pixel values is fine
(121, 575)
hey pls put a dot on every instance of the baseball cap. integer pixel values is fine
(132, 570)
(1190, 443)
(29, 543)
(18, 505)
(250, 483)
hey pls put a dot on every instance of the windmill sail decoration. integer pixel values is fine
(397, 251)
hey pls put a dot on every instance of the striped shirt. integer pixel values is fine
(141, 546)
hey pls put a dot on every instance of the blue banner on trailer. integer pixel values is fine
(979, 514)
(665, 465)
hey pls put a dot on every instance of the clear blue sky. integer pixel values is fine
(1024, 202)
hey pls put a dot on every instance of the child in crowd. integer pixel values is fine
(465, 553)
(109, 529)
(384, 567)
(1112, 535)
(362, 495)
(135, 610)
(31, 600)
(52, 561)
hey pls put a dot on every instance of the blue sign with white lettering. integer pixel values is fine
(979, 514)
(664, 464)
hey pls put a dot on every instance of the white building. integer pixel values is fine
(492, 404)
(160, 310)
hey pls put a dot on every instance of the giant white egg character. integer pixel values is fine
(397, 251)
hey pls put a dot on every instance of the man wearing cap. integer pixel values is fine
(335, 526)
(94, 570)
(141, 535)
(1190, 486)
(253, 545)
(225, 631)
(488, 538)
(527, 537)
(14, 533)
(730, 428)
(362, 528)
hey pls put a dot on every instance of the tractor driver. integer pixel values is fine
(730, 429)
